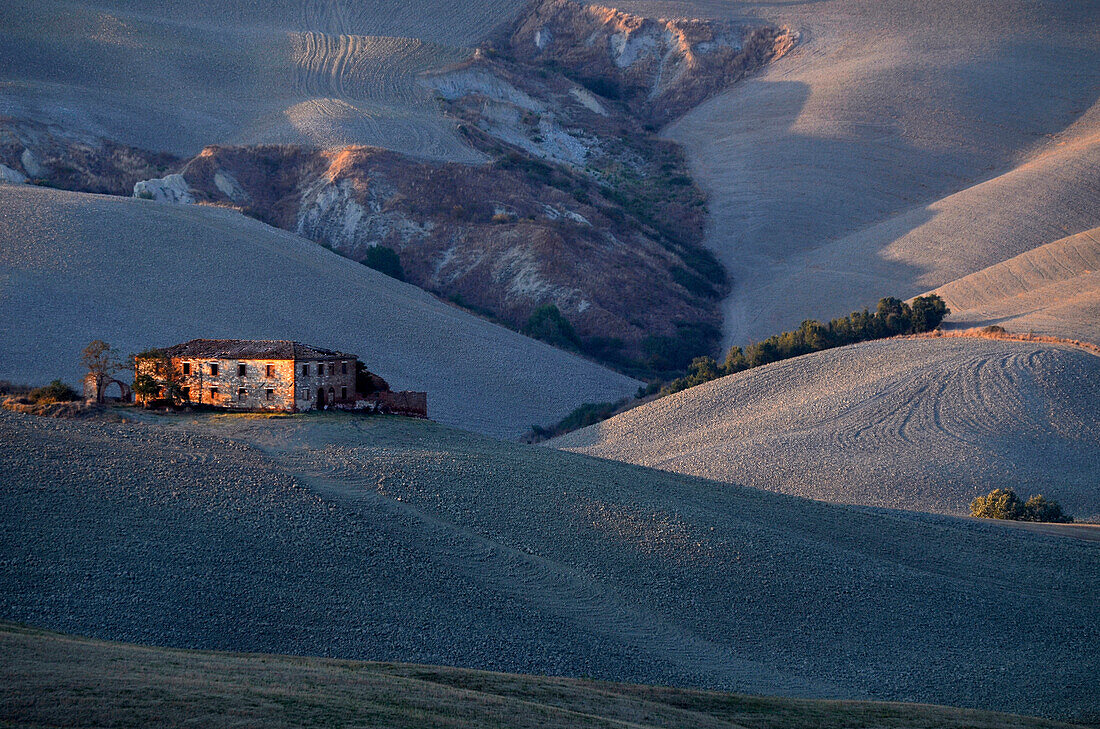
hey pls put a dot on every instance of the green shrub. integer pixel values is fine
(548, 324)
(384, 260)
(608, 349)
(587, 414)
(1005, 504)
(56, 391)
(602, 87)
(701, 369)
(692, 283)
(1039, 508)
(998, 504)
(927, 313)
(892, 317)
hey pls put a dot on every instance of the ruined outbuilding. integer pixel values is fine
(97, 388)
(272, 375)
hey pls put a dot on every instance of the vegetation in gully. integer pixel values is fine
(892, 317)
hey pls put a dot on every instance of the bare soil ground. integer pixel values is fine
(322, 72)
(398, 540)
(1051, 290)
(897, 148)
(51, 680)
(77, 267)
(922, 424)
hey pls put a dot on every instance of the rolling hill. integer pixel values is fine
(398, 540)
(322, 73)
(77, 267)
(183, 688)
(897, 148)
(1052, 290)
(921, 424)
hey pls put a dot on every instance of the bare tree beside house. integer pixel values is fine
(102, 364)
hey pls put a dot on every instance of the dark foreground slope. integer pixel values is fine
(95, 683)
(403, 540)
(924, 424)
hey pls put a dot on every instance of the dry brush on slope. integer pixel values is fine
(659, 68)
(503, 239)
(921, 424)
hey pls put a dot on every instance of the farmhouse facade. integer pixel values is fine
(242, 374)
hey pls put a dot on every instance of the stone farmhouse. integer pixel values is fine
(243, 374)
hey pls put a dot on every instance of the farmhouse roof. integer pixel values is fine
(251, 349)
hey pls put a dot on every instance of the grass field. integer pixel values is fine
(51, 680)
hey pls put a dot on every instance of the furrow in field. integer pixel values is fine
(914, 424)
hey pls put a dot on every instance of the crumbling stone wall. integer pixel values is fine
(335, 378)
(263, 385)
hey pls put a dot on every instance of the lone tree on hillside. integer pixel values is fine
(102, 364)
(385, 260)
(1005, 504)
(928, 312)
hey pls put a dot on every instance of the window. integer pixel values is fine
(242, 369)
(242, 394)
(186, 369)
(213, 393)
(270, 371)
(305, 370)
(270, 394)
(343, 393)
(332, 368)
(343, 368)
(186, 392)
(213, 371)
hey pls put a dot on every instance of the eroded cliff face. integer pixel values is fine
(31, 152)
(520, 116)
(659, 68)
(582, 206)
(501, 239)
